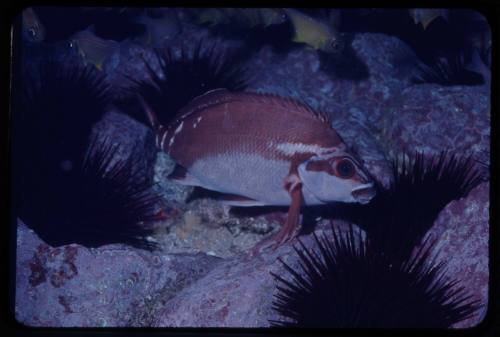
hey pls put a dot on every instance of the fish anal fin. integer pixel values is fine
(181, 176)
(238, 200)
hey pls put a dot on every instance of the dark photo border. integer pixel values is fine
(490, 326)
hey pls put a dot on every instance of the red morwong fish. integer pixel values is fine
(261, 149)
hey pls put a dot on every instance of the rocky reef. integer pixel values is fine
(201, 276)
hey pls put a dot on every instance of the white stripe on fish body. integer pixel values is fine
(291, 149)
(198, 120)
(171, 142)
(158, 136)
(167, 133)
(164, 136)
(179, 128)
(248, 175)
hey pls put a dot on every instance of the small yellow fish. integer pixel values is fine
(159, 29)
(92, 48)
(425, 16)
(314, 33)
(33, 29)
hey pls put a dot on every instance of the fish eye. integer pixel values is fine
(345, 169)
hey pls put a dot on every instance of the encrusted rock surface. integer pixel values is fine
(114, 285)
(130, 138)
(462, 234)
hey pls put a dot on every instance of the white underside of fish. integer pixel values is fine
(259, 179)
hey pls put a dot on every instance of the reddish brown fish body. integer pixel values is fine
(223, 122)
(252, 146)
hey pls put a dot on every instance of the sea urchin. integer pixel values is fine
(398, 217)
(182, 78)
(350, 284)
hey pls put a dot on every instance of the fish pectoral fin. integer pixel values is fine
(305, 42)
(238, 200)
(293, 184)
(296, 39)
(286, 233)
(181, 176)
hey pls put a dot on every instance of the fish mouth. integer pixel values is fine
(364, 193)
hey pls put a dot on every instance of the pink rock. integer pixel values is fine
(462, 230)
(113, 285)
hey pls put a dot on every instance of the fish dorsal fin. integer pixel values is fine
(210, 98)
(295, 104)
(221, 95)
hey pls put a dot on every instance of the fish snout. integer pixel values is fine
(364, 193)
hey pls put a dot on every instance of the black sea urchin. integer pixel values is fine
(483, 159)
(53, 112)
(349, 284)
(447, 71)
(98, 201)
(398, 217)
(182, 78)
(57, 106)
(60, 192)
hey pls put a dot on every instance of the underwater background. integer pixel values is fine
(105, 239)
